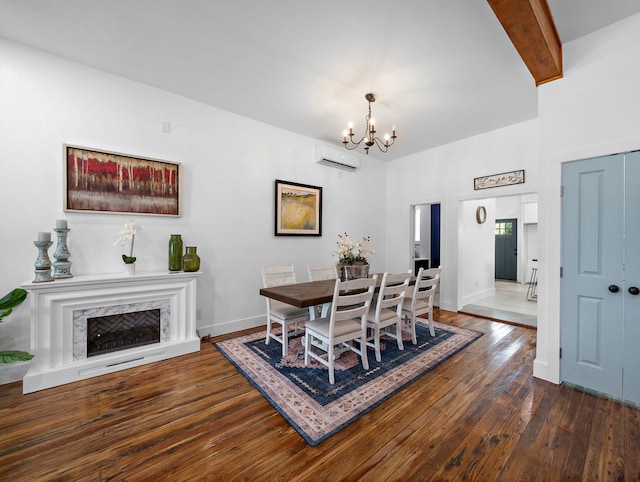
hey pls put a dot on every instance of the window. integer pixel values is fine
(417, 225)
(504, 228)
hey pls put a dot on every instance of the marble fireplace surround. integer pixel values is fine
(59, 309)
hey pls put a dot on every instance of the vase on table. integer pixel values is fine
(191, 260)
(175, 253)
(353, 271)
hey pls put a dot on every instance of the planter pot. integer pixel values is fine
(129, 269)
(353, 271)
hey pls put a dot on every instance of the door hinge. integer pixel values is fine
(560, 271)
(560, 352)
(561, 190)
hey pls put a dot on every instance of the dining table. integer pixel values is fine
(310, 294)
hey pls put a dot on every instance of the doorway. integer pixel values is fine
(496, 258)
(426, 234)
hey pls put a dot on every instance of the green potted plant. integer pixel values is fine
(7, 304)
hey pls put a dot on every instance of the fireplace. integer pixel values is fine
(87, 326)
(106, 334)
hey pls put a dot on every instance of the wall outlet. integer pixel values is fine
(198, 314)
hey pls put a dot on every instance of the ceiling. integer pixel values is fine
(441, 70)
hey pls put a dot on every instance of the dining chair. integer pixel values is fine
(319, 272)
(386, 311)
(282, 313)
(421, 300)
(346, 324)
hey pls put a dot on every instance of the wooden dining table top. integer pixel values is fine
(311, 293)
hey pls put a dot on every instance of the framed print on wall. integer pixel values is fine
(110, 182)
(298, 209)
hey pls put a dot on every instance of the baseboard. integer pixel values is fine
(231, 326)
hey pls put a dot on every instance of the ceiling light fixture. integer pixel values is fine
(370, 137)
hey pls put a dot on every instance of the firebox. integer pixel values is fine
(106, 334)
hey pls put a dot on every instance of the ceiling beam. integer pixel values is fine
(529, 24)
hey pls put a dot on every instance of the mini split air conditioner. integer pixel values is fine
(340, 159)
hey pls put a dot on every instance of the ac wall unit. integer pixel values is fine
(332, 157)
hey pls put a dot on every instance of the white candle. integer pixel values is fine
(42, 236)
(61, 224)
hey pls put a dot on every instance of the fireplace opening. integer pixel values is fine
(106, 334)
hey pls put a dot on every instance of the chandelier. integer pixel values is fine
(369, 138)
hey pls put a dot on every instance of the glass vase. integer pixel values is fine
(191, 260)
(175, 253)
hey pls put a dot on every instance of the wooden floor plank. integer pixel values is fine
(478, 416)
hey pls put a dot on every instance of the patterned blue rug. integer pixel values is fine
(317, 409)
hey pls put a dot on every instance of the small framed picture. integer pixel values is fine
(110, 182)
(298, 209)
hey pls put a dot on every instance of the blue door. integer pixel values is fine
(600, 286)
(506, 249)
(591, 333)
(631, 350)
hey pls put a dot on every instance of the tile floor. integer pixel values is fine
(508, 304)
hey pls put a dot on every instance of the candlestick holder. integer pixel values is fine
(43, 263)
(62, 265)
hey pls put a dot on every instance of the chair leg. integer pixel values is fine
(330, 360)
(285, 339)
(414, 338)
(431, 329)
(399, 334)
(266, 342)
(307, 347)
(363, 349)
(376, 342)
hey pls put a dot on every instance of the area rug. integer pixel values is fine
(317, 409)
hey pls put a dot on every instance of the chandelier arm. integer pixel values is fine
(381, 145)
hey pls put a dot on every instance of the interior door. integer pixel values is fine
(631, 360)
(506, 249)
(592, 269)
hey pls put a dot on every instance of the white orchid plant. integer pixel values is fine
(349, 253)
(127, 237)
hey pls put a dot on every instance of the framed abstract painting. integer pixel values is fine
(298, 209)
(110, 182)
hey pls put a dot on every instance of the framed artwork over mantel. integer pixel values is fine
(101, 181)
(298, 209)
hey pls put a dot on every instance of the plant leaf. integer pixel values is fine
(14, 356)
(13, 299)
(128, 259)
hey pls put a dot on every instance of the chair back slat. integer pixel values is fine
(352, 299)
(278, 276)
(319, 272)
(393, 289)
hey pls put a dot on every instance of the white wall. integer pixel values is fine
(229, 166)
(445, 174)
(594, 110)
(477, 251)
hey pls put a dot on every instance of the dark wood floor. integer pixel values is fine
(478, 416)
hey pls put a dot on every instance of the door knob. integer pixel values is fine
(614, 288)
(634, 290)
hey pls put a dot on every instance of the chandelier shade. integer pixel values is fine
(369, 138)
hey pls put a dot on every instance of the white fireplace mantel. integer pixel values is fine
(53, 333)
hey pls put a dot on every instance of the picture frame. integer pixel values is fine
(100, 181)
(498, 180)
(298, 209)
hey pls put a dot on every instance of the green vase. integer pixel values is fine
(175, 253)
(191, 260)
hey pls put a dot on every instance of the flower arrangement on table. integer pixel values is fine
(127, 237)
(353, 254)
